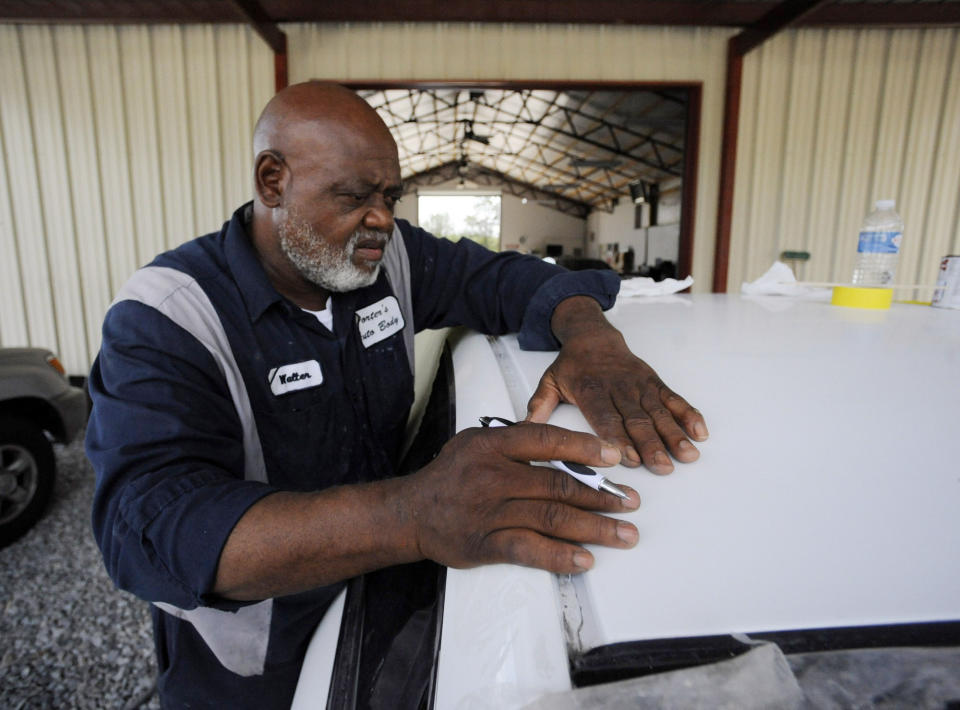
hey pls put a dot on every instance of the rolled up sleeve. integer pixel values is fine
(535, 332)
(166, 445)
(464, 283)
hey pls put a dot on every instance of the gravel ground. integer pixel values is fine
(69, 638)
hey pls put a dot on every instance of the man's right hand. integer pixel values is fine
(478, 502)
(481, 502)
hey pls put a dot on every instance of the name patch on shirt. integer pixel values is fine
(379, 321)
(295, 376)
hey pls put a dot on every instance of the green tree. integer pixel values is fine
(483, 224)
(485, 219)
(439, 225)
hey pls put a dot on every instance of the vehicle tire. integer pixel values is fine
(27, 474)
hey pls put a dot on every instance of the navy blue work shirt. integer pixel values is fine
(212, 391)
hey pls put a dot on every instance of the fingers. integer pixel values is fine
(692, 420)
(543, 483)
(545, 533)
(479, 502)
(606, 419)
(543, 401)
(655, 431)
(645, 423)
(542, 442)
(525, 547)
(566, 522)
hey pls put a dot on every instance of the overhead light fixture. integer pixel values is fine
(594, 162)
(639, 192)
(469, 135)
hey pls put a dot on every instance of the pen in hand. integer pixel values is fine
(582, 473)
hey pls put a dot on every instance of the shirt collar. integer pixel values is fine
(255, 288)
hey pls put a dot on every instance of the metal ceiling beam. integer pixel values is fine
(723, 13)
(525, 163)
(264, 26)
(781, 16)
(613, 151)
(726, 13)
(594, 187)
(121, 11)
(623, 128)
(895, 14)
(486, 177)
(526, 166)
(568, 115)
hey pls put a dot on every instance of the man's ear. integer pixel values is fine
(271, 175)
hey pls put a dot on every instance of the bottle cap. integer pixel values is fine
(886, 204)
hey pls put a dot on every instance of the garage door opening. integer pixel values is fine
(458, 216)
(599, 171)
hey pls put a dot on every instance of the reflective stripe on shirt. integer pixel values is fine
(238, 639)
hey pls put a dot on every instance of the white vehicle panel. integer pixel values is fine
(313, 687)
(502, 644)
(827, 494)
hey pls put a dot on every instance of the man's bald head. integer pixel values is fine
(318, 110)
(326, 179)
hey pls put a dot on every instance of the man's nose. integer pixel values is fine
(379, 217)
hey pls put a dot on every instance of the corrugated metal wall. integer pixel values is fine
(120, 142)
(832, 121)
(117, 143)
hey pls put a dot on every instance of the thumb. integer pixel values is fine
(543, 402)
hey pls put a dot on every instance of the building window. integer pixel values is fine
(458, 216)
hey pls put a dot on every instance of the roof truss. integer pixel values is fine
(579, 145)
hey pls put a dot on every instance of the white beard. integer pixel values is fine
(329, 267)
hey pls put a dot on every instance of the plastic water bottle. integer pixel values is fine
(879, 247)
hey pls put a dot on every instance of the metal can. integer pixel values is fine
(947, 294)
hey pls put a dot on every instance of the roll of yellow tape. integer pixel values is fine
(862, 297)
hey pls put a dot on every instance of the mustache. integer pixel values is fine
(369, 239)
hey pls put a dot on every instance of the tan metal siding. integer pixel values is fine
(118, 143)
(828, 149)
(14, 177)
(113, 170)
(833, 120)
(918, 181)
(943, 205)
(84, 181)
(146, 135)
(46, 124)
(860, 138)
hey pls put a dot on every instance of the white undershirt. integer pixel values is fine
(326, 315)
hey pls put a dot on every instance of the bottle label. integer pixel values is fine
(880, 242)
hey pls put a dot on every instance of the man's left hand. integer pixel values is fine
(620, 395)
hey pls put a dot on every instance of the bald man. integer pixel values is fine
(253, 386)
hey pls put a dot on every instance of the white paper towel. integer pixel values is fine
(645, 286)
(780, 281)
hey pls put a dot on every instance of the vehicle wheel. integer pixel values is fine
(27, 472)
